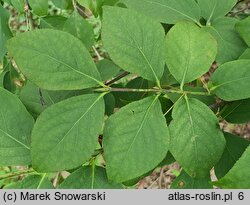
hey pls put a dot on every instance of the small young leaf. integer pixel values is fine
(230, 45)
(196, 141)
(237, 112)
(32, 182)
(243, 27)
(231, 80)
(65, 135)
(39, 7)
(15, 131)
(235, 146)
(80, 28)
(237, 177)
(134, 42)
(89, 178)
(212, 9)
(135, 140)
(190, 51)
(167, 11)
(184, 181)
(36, 53)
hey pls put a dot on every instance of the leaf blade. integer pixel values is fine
(190, 51)
(14, 132)
(213, 9)
(231, 77)
(130, 43)
(135, 144)
(167, 11)
(67, 133)
(196, 146)
(36, 53)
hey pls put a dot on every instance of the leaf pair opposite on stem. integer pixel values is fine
(136, 138)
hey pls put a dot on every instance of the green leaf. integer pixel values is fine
(89, 178)
(184, 181)
(231, 80)
(235, 146)
(213, 9)
(15, 130)
(243, 27)
(237, 177)
(134, 42)
(5, 32)
(167, 11)
(230, 45)
(32, 182)
(36, 54)
(39, 7)
(135, 140)
(196, 141)
(53, 22)
(72, 128)
(80, 28)
(190, 51)
(37, 100)
(18, 5)
(237, 112)
(246, 54)
(107, 69)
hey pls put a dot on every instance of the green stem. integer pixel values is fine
(93, 174)
(153, 90)
(16, 174)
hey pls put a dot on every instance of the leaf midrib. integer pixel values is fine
(188, 60)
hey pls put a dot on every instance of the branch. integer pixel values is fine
(119, 77)
(16, 174)
(26, 10)
(154, 90)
